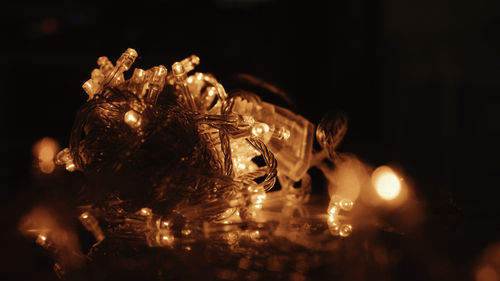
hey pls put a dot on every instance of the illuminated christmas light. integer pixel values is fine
(132, 118)
(221, 189)
(386, 183)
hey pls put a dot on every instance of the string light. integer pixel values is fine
(229, 196)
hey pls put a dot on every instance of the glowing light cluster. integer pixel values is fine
(253, 144)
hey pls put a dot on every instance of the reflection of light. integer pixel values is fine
(386, 183)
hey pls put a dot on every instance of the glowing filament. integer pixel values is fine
(386, 183)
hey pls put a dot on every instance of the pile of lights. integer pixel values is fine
(234, 200)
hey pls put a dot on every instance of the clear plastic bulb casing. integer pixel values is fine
(338, 204)
(289, 136)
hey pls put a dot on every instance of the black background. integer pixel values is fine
(419, 80)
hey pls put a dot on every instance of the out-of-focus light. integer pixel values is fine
(45, 151)
(47, 167)
(386, 183)
(50, 26)
(259, 129)
(345, 230)
(486, 273)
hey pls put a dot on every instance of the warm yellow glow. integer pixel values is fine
(42, 237)
(177, 68)
(70, 167)
(386, 183)
(259, 129)
(146, 212)
(333, 210)
(331, 218)
(486, 273)
(45, 151)
(211, 92)
(85, 215)
(132, 119)
(47, 167)
(345, 230)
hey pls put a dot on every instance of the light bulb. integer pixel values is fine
(132, 118)
(386, 183)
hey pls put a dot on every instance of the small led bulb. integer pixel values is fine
(345, 230)
(91, 88)
(132, 118)
(138, 75)
(127, 59)
(41, 239)
(260, 129)
(105, 65)
(63, 157)
(178, 69)
(70, 166)
(346, 204)
(145, 212)
(283, 134)
(97, 75)
(90, 223)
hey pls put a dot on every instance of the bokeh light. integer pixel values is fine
(386, 182)
(44, 152)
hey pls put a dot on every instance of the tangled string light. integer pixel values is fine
(171, 159)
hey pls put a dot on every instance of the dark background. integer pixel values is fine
(419, 80)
